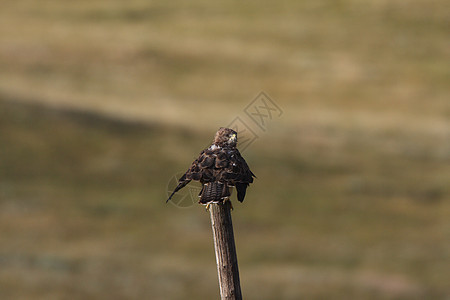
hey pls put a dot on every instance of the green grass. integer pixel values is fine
(102, 102)
(82, 200)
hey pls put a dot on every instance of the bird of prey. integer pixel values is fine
(219, 167)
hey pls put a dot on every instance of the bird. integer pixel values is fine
(219, 167)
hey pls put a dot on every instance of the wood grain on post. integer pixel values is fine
(226, 258)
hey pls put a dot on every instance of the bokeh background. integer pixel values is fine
(102, 102)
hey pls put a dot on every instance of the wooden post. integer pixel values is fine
(227, 265)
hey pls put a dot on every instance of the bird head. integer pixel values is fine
(225, 136)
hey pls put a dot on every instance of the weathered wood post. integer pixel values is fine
(226, 258)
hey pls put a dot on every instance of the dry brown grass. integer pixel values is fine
(352, 189)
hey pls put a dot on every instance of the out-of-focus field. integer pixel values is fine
(102, 102)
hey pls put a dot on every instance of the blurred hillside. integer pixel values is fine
(102, 102)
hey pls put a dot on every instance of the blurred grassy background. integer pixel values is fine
(102, 102)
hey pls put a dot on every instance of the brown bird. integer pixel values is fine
(219, 167)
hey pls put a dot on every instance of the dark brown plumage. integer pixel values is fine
(218, 168)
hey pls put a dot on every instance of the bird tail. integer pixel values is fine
(214, 192)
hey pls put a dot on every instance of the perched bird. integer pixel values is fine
(219, 167)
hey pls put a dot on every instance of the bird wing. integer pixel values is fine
(219, 165)
(182, 182)
(238, 173)
(200, 170)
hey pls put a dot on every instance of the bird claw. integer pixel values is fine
(231, 204)
(208, 205)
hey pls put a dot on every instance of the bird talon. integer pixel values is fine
(231, 204)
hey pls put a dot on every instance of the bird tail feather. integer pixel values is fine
(214, 192)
